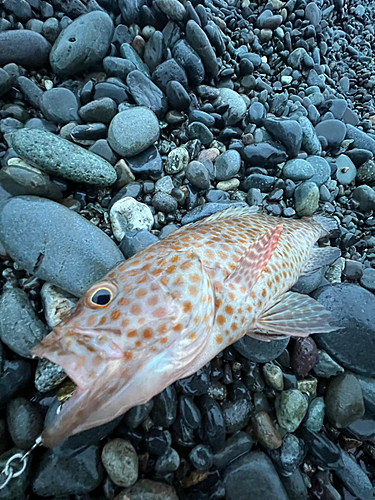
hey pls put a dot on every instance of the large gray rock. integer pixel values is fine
(133, 130)
(55, 244)
(24, 47)
(344, 400)
(59, 157)
(82, 44)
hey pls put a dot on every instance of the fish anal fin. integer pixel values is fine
(320, 257)
(256, 258)
(295, 315)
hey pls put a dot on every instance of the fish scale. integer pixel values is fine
(177, 304)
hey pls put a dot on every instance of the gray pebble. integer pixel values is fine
(198, 175)
(177, 160)
(227, 165)
(236, 106)
(344, 400)
(100, 110)
(368, 279)
(164, 202)
(298, 170)
(136, 240)
(306, 197)
(25, 422)
(346, 171)
(361, 140)
(365, 196)
(197, 130)
(127, 214)
(59, 105)
(121, 462)
(315, 415)
(199, 41)
(172, 8)
(145, 489)
(322, 170)
(366, 173)
(310, 141)
(168, 462)
(291, 407)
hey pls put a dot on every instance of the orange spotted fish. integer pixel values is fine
(165, 312)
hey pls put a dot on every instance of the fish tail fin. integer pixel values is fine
(327, 225)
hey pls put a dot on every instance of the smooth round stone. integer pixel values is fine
(303, 356)
(290, 454)
(236, 106)
(5, 82)
(32, 48)
(236, 414)
(15, 376)
(333, 130)
(310, 141)
(111, 90)
(147, 489)
(138, 414)
(344, 400)
(168, 462)
(359, 156)
(365, 196)
(265, 431)
(146, 165)
(156, 441)
(82, 44)
(118, 67)
(25, 423)
(306, 197)
(291, 407)
(189, 412)
(315, 415)
(227, 165)
(101, 110)
(169, 71)
(164, 202)
(361, 140)
(198, 175)
(42, 243)
(346, 171)
(59, 105)
(298, 170)
(136, 240)
(57, 475)
(154, 50)
(273, 375)
(177, 96)
(366, 173)
(259, 351)
(20, 327)
(128, 214)
(288, 132)
(187, 57)
(165, 407)
(235, 446)
(213, 425)
(177, 160)
(208, 209)
(172, 8)
(352, 346)
(133, 130)
(257, 112)
(368, 279)
(121, 462)
(61, 158)
(255, 473)
(146, 93)
(263, 155)
(313, 13)
(199, 41)
(322, 170)
(197, 130)
(201, 457)
(325, 366)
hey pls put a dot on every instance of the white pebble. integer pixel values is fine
(128, 214)
(56, 304)
(228, 185)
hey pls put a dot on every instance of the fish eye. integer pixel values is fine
(100, 296)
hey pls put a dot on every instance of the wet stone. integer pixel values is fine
(156, 441)
(169, 71)
(25, 423)
(100, 110)
(259, 351)
(288, 457)
(136, 240)
(325, 453)
(168, 462)
(366, 173)
(42, 243)
(198, 175)
(273, 375)
(291, 407)
(121, 462)
(298, 170)
(288, 132)
(177, 160)
(227, 165)
(20, 327)
(365, 196)
(295, 486)
(61, 158)
(188, 58)
(199, 41)
(197, 130)
(132, 131)
(136, 415)
(164, 202)
(189, 412)
(213, 425)
(253, 472)
(344, 400)
(334, 132)
(265, 431)
(177, 96)
(165, 407)
(263, 155)
(146, 165)
(201, 457)
(325, 366)
(346, 171)
(310, 141)
(368, 392)
(15, 376)
(59, 105)
(118, 67)
(322, 170)
(146, 489)
(32, 48)
(368, 279)
(235, 446)
(361, 140)
(146, 93)
(48, 375)
(304, 356)
(236, 414)
(315, 415)
(236, 106)
(58, 475)
(354, 478)
(306, 197)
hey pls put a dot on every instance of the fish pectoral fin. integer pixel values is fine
(320, 257)
(295, 315)
(256, 258)
(265, 336)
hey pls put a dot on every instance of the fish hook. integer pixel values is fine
(10, 471)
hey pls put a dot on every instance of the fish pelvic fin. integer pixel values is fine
(294, 315)
(320, 257)
(256, 258)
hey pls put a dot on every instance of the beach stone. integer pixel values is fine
(54, 155)
(361, 140)
(198, 130)
(25, 422)
(169, 71)
(146, 93)
(227, 165)
(59, 105)
(154, 50)
(322, 170)
(365, 196)
(145, 489)
(199, 41)
(172, 8)
(265, 430)
(346, 171)
(188, 58)
(118, 67)
(198, 175)
(291, 407)
(333, 130)
(121, 462)
(20, 327)
(201, 457)
(236, 106)
(128, 214)
(213, 425)
(56, 304)
(49, 236)
(303, 356)
(177, 160)
(208, 209)
(310, 141)
(288, 132)
(352, 346)
(354, 477)
(32, 48)
(298, 170)
(136, 240)
(253, 472)
(133, 130)
(315, 415)
(5, 82)
(48, 375)
(82, 44)
(359, 156)
(263, 154)
(306, 197)
(259, 351)
(146, 165)
(128, 53)
(289, 456)
(344, 400)
(164, 202)
(366, 173)
(177, 96)
(101, 110)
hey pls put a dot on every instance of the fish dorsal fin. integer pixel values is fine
(296, 315)
(320, 257)
(256, 258)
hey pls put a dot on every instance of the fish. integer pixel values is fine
(164, 313)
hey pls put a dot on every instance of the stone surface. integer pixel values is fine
(145, 489)
(133, 130)
(227, 165)
(121, 462)
(59, 105)
(236, 106)
(199, 41)
(146, 93)
(306, 197)
(298, 170)
(288, 132)
(146, 165)
(59, 157)
(128, 214)
(82, 44)
(187, 57)
(361, 140)
(48, 236)
(25, 422)
(259, 351)
(32, 48)
(291, 407)
(344, 400)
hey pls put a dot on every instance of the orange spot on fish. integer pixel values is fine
(242, 289)
(91, 320)
(115, 315)
(97, 360)
(171, 269)
(194, 278)
(233, 326)
(160, 312)
(162, 329)
(220, 320)
(134, 263)
(140, 293)
(209, 254)
(249, 309)
(138, 344)
(142, 279)
(179, 281)
(133, 272)
(153, 300)
(222, 255)
(124, 322)
(264, 293)
(163, 340)
(193, 291)
(192, 336)
(185, 266)
(132, 333)
(231, 339)
(127, 356)
(187, 307)
(112, 275)
(141, 321)
(178, 327)
(277, 278)
(252, 294)
(164, 281)
(136, 309)
(147, 333)
(103, 319)
(127, 289)
(146, 267)
(153, 349)
(121, 268)
(175, 258)
(232, 267)
(218, 303)
(229, 309)
(218, 286)
(219, 339)
(156, 272)
(231, 296)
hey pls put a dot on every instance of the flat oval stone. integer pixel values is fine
(32, 48)
(133, 130)
(54, 155)
(259, 351)
(146, 93)
(190, 61)
(333, 130)
(55, 244)
(59, 105)
(82, 44)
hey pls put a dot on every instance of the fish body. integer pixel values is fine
(164, 313)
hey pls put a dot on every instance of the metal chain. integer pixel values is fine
(14, 470)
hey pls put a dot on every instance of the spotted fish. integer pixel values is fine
(164, 313)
